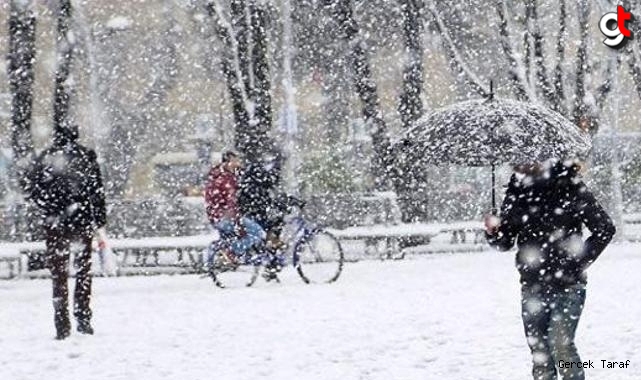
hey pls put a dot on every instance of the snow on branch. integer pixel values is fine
(534, 29)
(454, 58)
(632, 50)
(230, 62)
(517, 71)
(560, 50)
(605, 88)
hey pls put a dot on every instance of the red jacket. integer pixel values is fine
(220, 194)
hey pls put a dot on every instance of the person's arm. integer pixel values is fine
(503, 235)
(598, 222)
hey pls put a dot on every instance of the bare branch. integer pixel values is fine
(605, 88)
(560, 49)
(580, 106)
(534, 29)
(517, 72)
(633, 51)
(231, 65)
(454, 58)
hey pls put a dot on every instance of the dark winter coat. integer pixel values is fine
(545, 216)
(66, 185)
(256, 193)
(221, 194)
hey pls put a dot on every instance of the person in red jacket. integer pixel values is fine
(222, 207)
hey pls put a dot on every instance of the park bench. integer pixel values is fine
(13, 257)
(389, 235)
(633, 218)
(190, 247)
(11, 260)
(134, 254)
(461, 230)
(184, 254)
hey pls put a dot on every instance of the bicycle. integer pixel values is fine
(316, 254)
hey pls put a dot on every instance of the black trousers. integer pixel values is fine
(58, 242)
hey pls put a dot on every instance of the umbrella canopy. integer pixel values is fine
(493, 131)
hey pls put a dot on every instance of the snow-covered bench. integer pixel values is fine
(186, 249)
(13, 262)
(634, 218)
(460, 231)
(144, 248)
(13, 256)
(390, 235)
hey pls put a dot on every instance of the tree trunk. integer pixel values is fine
(367, 92)
(517, 71)
(633, 51)
(561, 107)
(245, 66)
(240, 23)
(409, 188)
(64, 61)
(410, 105)
(581, 114)
(130, 124)
(262, 99)
(22, 53)
(534, 30)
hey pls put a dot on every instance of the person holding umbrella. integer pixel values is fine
(544, 211)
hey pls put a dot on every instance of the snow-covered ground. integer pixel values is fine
(430, 317)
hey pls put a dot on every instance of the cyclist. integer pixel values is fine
(257, 200)
(221, 193)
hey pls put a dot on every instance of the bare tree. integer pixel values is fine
(366, 89)
(529, 64)
(22, 54)
(633, 51)
(245, 67)
(64, 61)
(410, 184)
(131, 123)
(410, 106)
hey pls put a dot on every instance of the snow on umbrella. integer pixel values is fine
(492, 131)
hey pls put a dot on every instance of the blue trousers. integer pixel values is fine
(254, 234)
(550, 318)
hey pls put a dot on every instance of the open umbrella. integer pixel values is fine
(492, 131)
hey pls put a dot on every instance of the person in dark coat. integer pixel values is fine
(544, 211)
(66, 184)
(257, 192)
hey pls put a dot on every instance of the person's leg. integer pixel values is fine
(565, 314)
(82, 294)
(536, 319)
(254, 235)
(58, 253)
(225, 227)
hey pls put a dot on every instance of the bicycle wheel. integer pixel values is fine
(228, 272)
(319, 258)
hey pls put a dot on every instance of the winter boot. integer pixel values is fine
(84, 327)
(63, 328)
(61, 318)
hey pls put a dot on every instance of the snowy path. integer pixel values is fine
(436, 317)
